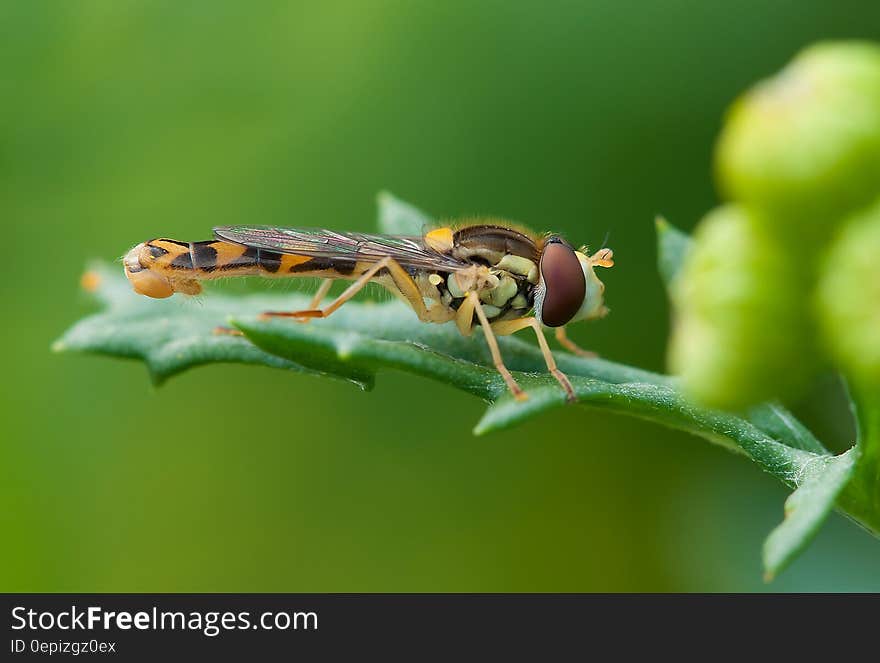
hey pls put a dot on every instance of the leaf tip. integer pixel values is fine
(771, 562)
(59, 346)
(481, 428)
(157, 377)
(661, 224)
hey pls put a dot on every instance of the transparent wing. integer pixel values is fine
(321, 243)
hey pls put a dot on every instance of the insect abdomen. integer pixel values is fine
(161, 267)
(214, 256)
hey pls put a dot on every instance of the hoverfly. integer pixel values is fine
(490, 273)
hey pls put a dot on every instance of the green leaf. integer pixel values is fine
(389, 335)
(774, 419)
(363, 338)
(397, 217)
(175, 334)
(861, 498)
(820, 481)
(806, 509)
(672, 249)
(368, 338)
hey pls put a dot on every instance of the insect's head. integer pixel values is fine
(150, 276)
(568, 289)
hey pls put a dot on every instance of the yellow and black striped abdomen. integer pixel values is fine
(161, 267)
(214, 257)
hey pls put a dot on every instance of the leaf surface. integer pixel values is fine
(364, 338)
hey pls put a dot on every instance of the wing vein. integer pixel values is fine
(409, 251)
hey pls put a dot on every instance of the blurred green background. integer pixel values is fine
(121, 121)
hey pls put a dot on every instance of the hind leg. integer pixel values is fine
(346, 295)
(399, 276)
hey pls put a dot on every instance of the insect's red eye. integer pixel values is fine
(564, 283)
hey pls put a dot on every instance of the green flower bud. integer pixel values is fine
(848, 296)
(805, 145)
(742, 329)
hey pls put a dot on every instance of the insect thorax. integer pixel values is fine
(503, 294)
(503, 271)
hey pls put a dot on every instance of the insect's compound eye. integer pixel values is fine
(564, 284)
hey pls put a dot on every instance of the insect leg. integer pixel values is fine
(408, 288)
(492, 342)
(319, 295)
(464, 316)
(570, 345)
(506, 327)
(321, 292)
(551, 362)
(346, 295)
(227, 331)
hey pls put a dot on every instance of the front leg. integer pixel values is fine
(511, 326)
(571, 346)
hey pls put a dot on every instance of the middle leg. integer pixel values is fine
(470, 306)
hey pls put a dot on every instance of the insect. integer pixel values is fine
(488, 273)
